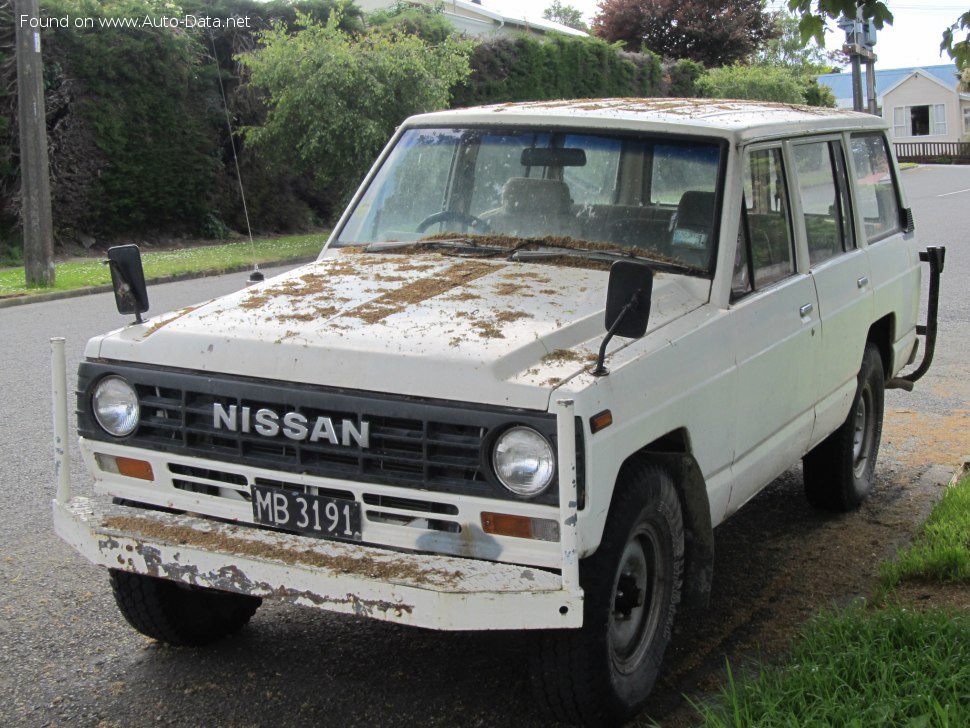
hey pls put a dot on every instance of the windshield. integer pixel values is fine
(635, 193)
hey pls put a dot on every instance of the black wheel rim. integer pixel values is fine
(637, 598)
(864, 430)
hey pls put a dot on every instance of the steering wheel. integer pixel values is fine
(471, 221)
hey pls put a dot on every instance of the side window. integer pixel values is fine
(765, 246)
(820, 167)
(875, 185)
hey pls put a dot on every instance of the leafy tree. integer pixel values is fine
(788, 49)
(712, 32)
(565, 15)
(334, 99)
(763, 83)
(815, 12)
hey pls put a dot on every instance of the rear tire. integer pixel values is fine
(840, 470)
(602, 674)
(180, 614)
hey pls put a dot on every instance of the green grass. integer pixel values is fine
(73, 275)
(941, 551)
(873, 667)
(890, 667)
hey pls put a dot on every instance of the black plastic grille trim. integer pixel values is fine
(427, 444)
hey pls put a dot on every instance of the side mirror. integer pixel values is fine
(128, 280)
(627, 305)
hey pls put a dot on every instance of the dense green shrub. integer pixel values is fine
(426, 22)
(527, 68)
(682, 78)
(147, 97)
(763, 83)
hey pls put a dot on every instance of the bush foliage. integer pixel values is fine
(334, 99)
(764, 83)
(526, 68)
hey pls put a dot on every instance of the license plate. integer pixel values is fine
(315, 515)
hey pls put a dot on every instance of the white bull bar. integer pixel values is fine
(425, 590)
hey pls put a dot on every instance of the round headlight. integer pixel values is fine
(523, 461)
(115, 405)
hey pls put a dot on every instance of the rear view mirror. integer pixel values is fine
(128, 280)
(555, 157)
(627, 304)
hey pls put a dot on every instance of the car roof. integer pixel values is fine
(733, 119)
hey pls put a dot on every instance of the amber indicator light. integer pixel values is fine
(503, 524)
(600, 421)
(135, 468)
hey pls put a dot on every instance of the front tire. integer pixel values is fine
(840, 470)
(179, 614)
(602, 675)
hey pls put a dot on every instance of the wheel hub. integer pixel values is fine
(629, 595)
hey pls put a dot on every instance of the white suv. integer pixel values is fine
(548, 347)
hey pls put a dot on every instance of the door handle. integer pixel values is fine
(863, 282)
(806, 309)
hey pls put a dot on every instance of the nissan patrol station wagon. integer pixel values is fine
(546, 350)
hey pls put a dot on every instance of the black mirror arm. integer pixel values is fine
(126, 285)
(600, 370)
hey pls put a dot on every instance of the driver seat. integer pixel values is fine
(534, 208)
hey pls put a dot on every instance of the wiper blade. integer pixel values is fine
(461, 246)
(557, 250)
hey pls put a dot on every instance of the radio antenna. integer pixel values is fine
(256, 276)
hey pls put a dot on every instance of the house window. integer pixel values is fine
(966, 120)
(913, 121)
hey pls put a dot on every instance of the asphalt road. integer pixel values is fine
(69, 659)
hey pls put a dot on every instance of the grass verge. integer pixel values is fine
(73, 275)
(860, 668)
(868, 666)
(941, 550)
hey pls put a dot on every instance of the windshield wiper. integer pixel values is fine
(460, 246)
(556, 250)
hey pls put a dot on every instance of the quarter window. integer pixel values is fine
(824, 201)
(876, 186)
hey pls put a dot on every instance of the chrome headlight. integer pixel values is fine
(523, 461)
(115, 405)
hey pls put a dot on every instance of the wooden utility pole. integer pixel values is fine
(34, 169)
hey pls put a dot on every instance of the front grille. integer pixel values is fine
(422, 444)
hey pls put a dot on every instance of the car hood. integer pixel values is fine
(427, 325)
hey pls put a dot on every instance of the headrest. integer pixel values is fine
(527, 195)
(696, 210)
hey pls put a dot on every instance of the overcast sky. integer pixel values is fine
(912, 40)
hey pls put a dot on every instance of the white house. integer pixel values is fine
(473, 18)
(921, 104)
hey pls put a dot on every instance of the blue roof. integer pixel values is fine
(841, 83)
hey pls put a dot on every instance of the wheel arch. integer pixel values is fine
(672, 452)
(882, 333)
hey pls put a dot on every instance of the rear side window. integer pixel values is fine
(821, 175)
(876, 186)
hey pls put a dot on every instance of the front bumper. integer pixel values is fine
(425, 590)
(438, 592)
